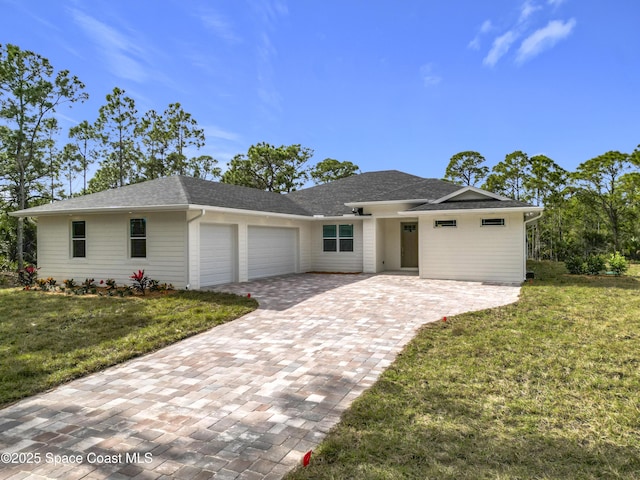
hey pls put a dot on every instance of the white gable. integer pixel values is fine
(470, 193)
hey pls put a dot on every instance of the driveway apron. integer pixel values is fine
(244, 400)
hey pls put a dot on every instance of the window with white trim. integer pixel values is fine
(493, 222)
(444, 223)
(337, 238)
(78, 239)
(138, 238)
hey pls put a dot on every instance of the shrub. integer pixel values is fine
(48, 284)
(618, 263)
(69, 283)
(140, 281)
(595, 264)
(89, 285)
(125, 291)
(576, 265)
(28, 276)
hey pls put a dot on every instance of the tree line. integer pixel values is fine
(592, 210)
(122, 145)
(595, 209)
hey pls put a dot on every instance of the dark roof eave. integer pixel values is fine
(35, 212)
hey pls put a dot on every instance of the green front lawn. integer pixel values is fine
(546, 388)
(47, 339)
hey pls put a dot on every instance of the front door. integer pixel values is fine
(409, 245)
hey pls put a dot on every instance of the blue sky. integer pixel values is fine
(384, 84)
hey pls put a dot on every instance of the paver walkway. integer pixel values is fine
(244, 400)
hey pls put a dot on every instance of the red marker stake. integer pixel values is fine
(444, 319)
(307, 458)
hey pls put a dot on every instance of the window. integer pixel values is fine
(138, 237)
(444, 223)
(329, 238)
(493, 222)
(346, 238)
(78, 239)
(337, 238)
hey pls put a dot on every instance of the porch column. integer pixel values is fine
(369, 245)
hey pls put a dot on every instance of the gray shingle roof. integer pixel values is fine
(329, 199)
(203, 192)
(176, 191)
(424, 189)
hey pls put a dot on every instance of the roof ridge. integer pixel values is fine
(183, 188)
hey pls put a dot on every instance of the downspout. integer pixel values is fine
(200, 215)
(526, 222)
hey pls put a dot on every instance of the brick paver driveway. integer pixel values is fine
(243, 400)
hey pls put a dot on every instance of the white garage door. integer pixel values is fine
(272, 251)
(217, 254)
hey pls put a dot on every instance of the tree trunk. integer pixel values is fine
(20, 232)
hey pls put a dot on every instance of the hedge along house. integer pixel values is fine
(196, 233)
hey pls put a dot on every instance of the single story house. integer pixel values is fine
(195, 233)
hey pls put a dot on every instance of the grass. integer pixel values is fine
(46, 339)
(545, 388)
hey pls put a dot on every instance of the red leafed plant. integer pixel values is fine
(140, 281)
(27, 276)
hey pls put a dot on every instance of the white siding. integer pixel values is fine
(272, 251)
(369, 245)
(107, 248)
(337, 261)
(470, 251)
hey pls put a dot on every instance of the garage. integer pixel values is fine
(217, 254)
(272, 251)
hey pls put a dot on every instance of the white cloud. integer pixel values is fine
(221, 144)
(116, 46)
(486, 27)
(534, 42)
(219, 25)
(528, 8)
(500, 47)
(429, 77)
(269, 14)
(544, 38)
(213, 131)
